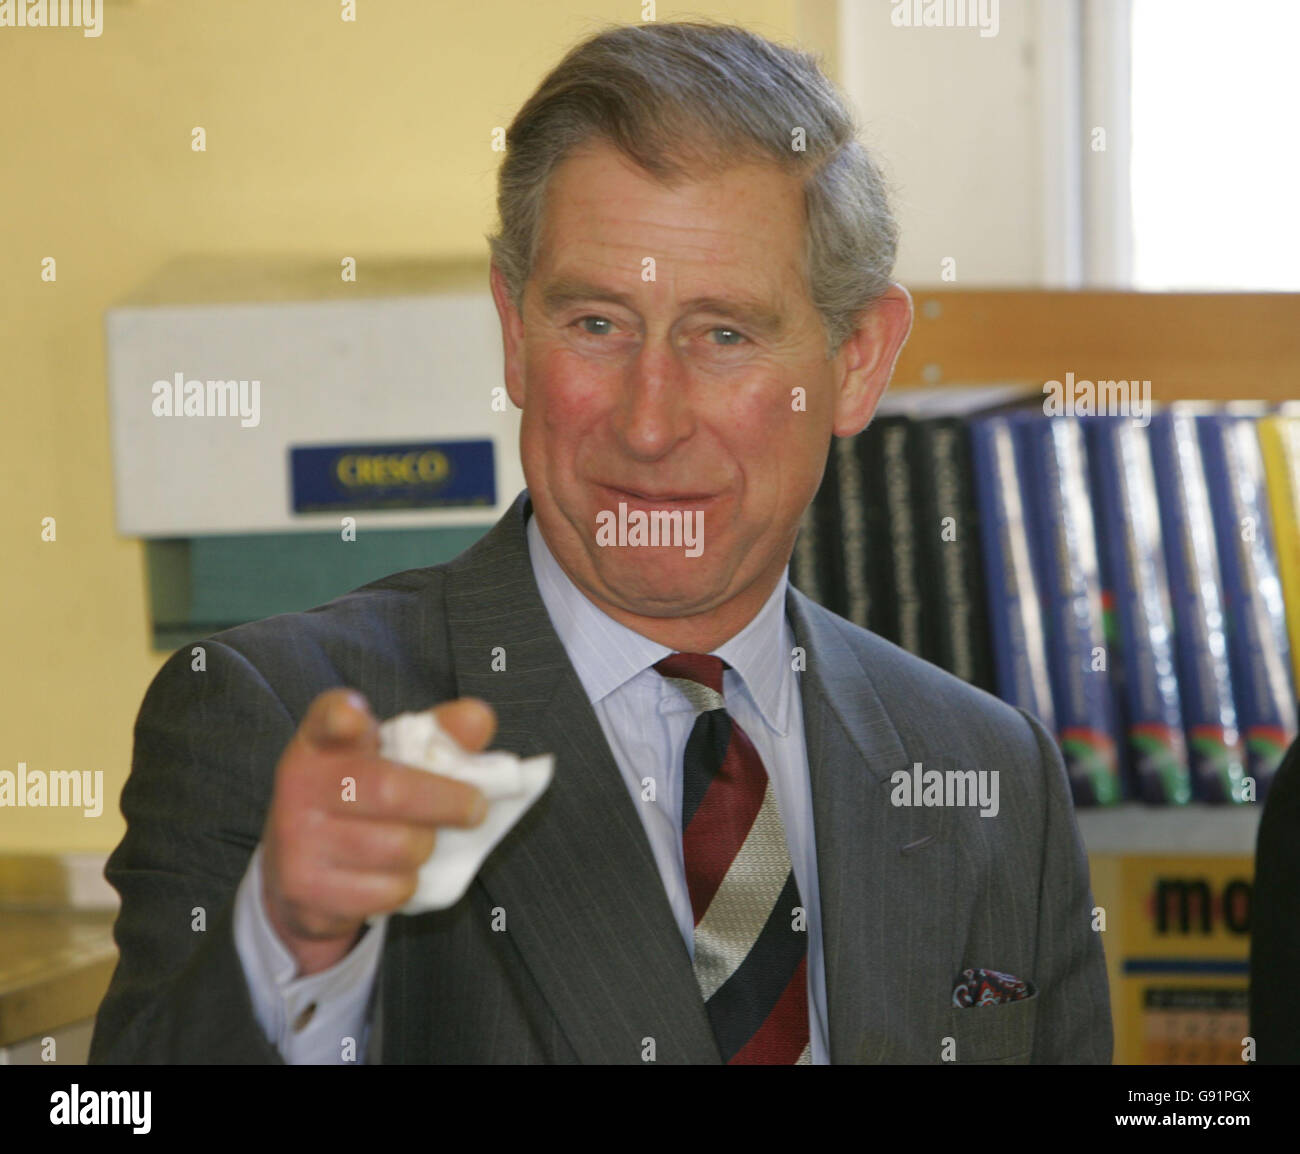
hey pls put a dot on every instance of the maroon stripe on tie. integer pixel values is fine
(723, 820)
(781, 1038)
(700, 667)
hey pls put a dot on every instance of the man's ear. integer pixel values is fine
(512, 337)
(868, 357)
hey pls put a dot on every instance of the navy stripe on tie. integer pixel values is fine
(707, 746)
(745, 999)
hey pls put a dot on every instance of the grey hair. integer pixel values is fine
(684, 99)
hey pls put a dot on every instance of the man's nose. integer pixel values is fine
(654, 413)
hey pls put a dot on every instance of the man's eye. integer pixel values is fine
(736, 333)
(731, 337)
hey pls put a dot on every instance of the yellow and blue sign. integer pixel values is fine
(1177, 940)
(411, 475)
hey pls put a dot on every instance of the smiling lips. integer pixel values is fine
(658, 498)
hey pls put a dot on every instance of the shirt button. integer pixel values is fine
(300, 1022)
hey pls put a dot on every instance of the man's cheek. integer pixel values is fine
(777, 396)
(771, 419)
(569, 410)
(573, 394)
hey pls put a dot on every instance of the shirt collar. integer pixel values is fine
(607, 654)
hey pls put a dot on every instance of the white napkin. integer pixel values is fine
(510, 784)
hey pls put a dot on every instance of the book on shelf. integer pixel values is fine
(1136, 608)
(1258, 650)
(1017, 632)
(954, 598)
(1063, 550)
(1215, 755)
(1279, 442)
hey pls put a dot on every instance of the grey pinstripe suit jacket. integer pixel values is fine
(592, 961)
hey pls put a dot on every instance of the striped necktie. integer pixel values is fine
(751, 947)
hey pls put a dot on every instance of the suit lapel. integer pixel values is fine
(582, 896)
(878, 865)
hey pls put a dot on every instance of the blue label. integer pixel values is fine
(419, 475)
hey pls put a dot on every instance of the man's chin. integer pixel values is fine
(667, 586)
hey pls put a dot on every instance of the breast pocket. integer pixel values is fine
(995, 1035)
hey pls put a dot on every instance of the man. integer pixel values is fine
(692, 276)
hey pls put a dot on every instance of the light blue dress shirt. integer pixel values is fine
(647, 722)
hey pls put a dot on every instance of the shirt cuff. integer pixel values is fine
(322, 1018)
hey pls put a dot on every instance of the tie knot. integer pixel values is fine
(698, 675)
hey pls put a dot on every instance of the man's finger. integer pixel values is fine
(391, 791)
(472, 722)
(376, 846)
(341, 718)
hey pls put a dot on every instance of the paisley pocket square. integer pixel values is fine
(988, 988)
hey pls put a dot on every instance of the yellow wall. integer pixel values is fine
(323, 138)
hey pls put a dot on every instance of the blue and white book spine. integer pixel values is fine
(1015, 613)
(1135, 595)
(1259, 652)
(1054, 488)
(1200, 630)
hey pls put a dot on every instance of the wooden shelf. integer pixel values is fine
(1190, 346)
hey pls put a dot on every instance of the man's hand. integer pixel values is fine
(327, 863)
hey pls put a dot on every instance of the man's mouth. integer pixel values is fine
(667, 499)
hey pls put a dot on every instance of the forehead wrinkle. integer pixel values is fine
(742, 212)
(687, 230)
(694, 263)
(699, 243)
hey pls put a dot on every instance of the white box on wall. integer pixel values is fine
(408, 353)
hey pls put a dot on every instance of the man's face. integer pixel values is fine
(669, 358)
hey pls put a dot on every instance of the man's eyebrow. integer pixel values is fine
(753, 311)
(561, 293)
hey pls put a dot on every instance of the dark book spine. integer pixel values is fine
(853, 532)
(902, 623)
(817, 564)
(881, 612)
(954, 620)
